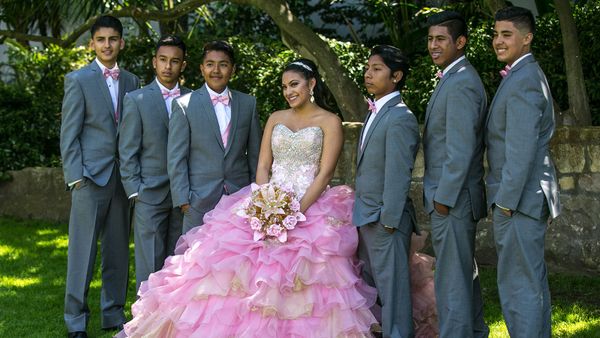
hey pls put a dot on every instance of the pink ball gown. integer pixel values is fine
(222, 283)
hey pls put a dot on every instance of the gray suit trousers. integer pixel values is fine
(97, 213)
(156, 229)
(386, 264)
(192, 218)
(522, 274)
(458, 296)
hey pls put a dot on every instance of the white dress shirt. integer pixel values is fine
(113, 85)
(169, 99)
(222, 111)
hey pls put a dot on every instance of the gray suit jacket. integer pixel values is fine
(143, 137)
(384, 167)
(453, 141)
(519, 127)
(199, 166)
(88, 133)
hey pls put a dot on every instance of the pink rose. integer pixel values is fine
(274, 230)
(255, 223)
(290, 222)
(295, 205)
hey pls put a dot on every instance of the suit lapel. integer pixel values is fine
(519, 65)
(122, 84)
(436, 91)
(158, 101)
(101, 82)
(209, 109)
(439, 86)
(235, 114)
(384, 110)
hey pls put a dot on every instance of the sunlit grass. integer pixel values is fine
(15, 282)
(10, 253)
(33, 259)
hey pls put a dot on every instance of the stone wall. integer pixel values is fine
(572, 240)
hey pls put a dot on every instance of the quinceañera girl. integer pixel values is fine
(243, 275)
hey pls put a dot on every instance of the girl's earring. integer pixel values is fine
(312, 98)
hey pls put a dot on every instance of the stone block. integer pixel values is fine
(566, 183)
(594, 152)
(590, 182)
(569, 158)
(419, 169)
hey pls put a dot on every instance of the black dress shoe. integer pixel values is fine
(376, 331)
(78, 334)
(114, 328)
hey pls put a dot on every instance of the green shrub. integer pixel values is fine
(30, 106)
(30, 103)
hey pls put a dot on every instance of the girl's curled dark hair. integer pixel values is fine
(308, 70)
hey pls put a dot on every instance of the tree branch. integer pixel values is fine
(310, 45)
(138, 13)
(135, 12)
(30, 37)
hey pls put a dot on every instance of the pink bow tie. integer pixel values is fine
(112, 73)
(170, 93)
(224, 99)
(505, 71)
(439, 75)
(372, 106)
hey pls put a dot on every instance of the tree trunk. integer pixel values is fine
(578, 98)
(307, 43)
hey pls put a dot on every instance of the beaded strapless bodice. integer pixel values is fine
(296, 156)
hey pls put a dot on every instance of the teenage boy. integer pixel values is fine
(521, 182)
(383, 210)
(91, 113)
(143, 152)
(454, 193)
(214, 138)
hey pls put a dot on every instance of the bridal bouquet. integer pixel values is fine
(272, 211)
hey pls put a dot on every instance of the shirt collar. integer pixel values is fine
(212, 92)
(519, 59)
(161, 87)
(382, 101)
(452, 64)
(103, 67)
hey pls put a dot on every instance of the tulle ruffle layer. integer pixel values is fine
(222, 283)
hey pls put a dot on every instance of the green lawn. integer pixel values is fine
(33, 258)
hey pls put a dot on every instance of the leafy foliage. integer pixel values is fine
(30, 106)
(30, 103)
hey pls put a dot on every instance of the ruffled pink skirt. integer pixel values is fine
(221, 283)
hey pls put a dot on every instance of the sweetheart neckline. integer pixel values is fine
(297, 131)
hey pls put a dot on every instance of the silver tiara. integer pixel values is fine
(298, 63)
